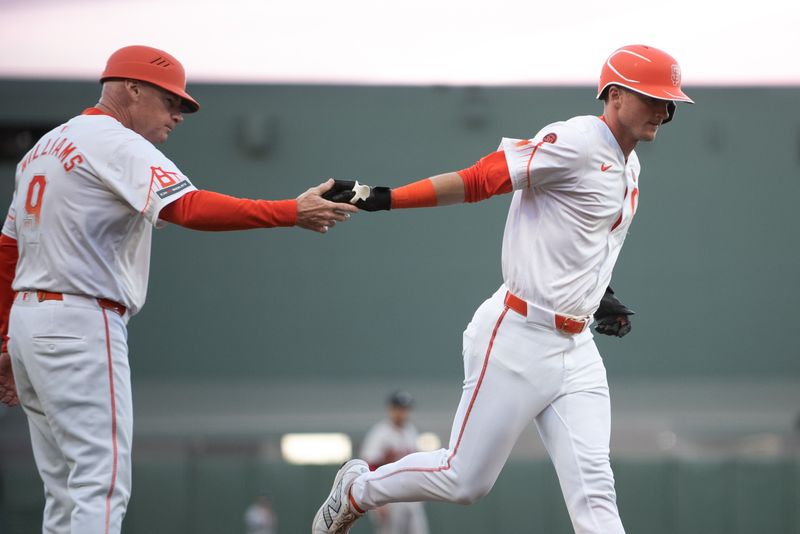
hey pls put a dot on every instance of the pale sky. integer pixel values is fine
(404, 41)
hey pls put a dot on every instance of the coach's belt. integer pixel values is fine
(104, 303)
(564, 323)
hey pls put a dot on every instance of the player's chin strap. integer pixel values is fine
(671, 107)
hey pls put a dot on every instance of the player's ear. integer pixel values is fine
(615, 94)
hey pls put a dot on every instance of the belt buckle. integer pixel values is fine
(572, 325)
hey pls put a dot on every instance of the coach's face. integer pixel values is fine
(155, 112)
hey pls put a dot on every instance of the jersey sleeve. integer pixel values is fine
(146, 179)
(546, 161)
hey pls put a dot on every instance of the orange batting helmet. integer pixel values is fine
(645, 70)
(154, 66)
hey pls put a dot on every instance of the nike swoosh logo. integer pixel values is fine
(604, 167)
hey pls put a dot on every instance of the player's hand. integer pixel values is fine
(613, 317)
(8, 389)
(318, 214)
(363, 196)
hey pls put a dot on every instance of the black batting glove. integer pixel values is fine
(612, 317)
(362, 196)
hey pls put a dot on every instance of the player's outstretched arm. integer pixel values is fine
(613, 317)
(488, 177)
(436, 191)
(214, 212)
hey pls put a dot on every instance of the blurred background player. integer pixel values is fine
(260, 518)
(387, 441)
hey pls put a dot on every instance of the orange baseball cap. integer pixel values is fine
(154, 66)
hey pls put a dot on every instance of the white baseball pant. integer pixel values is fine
(516, 371)
(70, 361)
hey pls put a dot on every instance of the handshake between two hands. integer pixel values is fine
(361, 196)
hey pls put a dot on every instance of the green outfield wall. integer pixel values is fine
(710, 265)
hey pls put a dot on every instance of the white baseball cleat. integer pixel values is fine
(336, 515)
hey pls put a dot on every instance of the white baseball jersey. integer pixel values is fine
(86, 199)
(575, 197)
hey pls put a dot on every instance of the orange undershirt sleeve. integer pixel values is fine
(9, 254)
(215, 212)
(419, 194)
(487, 178)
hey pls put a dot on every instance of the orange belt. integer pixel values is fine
(564, 323)
(104, 303)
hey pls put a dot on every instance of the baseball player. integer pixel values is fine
(74, 261)
(259, 518)
(528, 354)
(386, 442)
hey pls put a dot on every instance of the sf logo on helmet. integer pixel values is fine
(676, 75)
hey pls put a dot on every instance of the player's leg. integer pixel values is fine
(78, 367)
(50, 463)
(100, 452)
(511, 375)
(575, 429)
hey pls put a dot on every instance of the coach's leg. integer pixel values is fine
(100, 479)
(575, 429)
(50, 463)
(83, 385)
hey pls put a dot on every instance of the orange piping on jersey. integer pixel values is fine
(619, 219)
(149, 193)
(113, 422)
(530, 160)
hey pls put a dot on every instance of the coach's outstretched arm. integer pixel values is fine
(215, 212)
(488, 177)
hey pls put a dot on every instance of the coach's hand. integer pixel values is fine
(8, 389)
(316, 213)
(612, 316)
(362, 196)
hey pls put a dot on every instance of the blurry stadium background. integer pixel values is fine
(249, 339)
